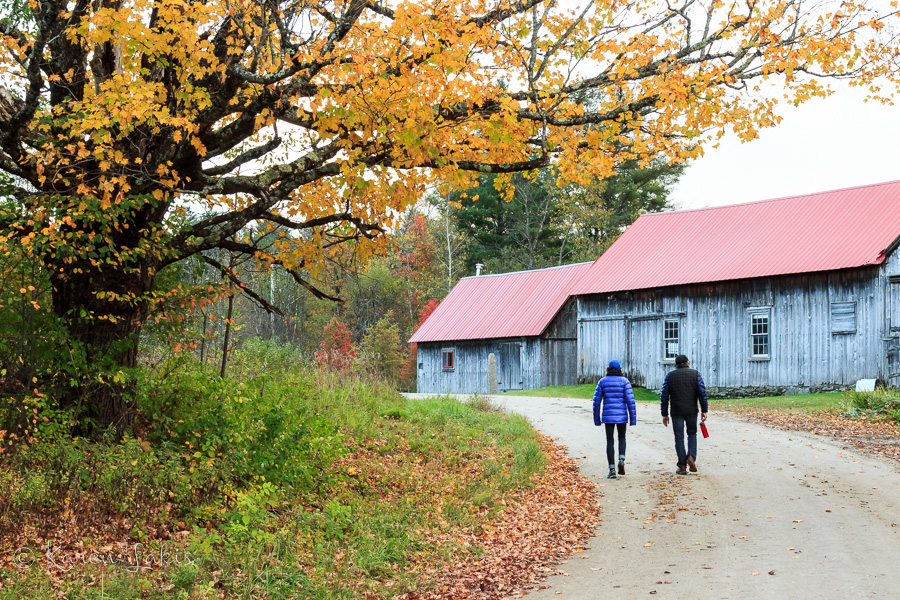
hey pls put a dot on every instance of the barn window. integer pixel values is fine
(448, 361)
(759, 334)
(843, 317)
(671, 331)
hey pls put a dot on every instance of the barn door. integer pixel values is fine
(599, 341)
(643, 351)
(892, 329)
(509, 367)
(893, 312)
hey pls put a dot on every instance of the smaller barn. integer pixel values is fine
(526, 319)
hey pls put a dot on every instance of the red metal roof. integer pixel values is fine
(499, 306)
(801, 234)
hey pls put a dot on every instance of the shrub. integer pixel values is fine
(337, 351)
(883, 403)
(251, 428)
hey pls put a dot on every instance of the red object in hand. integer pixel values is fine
(703, 429)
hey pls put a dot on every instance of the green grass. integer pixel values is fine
(798, 403)
(803, 402)
(558, 391)
(585, 391)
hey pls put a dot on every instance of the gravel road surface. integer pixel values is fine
(770, 514)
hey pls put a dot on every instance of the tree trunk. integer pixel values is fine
(203, 339)
(227, 336)
(104, 333)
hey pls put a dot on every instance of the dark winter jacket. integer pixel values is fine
(683, 388)
(615, 395)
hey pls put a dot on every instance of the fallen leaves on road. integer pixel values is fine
(547, 522)
(874, 437)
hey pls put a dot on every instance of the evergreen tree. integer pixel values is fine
(542, 225)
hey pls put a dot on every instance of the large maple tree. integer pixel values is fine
(324, 119)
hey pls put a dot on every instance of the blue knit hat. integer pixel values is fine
(615, 364)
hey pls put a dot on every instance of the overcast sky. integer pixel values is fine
(825, 144)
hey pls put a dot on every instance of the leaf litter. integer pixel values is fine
(881, 438)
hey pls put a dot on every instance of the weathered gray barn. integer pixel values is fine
(526, 319)
(779, 296)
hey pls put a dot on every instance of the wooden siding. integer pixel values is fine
(558, 366)
(558, 347)
(564, 324)
(601, 339)
(715, 331)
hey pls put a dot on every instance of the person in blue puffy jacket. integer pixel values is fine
(614, 407)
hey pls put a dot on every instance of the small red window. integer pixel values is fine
(448, 361)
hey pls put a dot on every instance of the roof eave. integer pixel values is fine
(890, 248)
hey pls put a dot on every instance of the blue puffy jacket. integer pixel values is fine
(615, 394)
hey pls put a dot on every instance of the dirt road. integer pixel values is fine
(770, 514)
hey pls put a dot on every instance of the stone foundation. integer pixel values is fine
(775, 390)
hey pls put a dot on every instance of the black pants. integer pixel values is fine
(679, 425)
(610, 442)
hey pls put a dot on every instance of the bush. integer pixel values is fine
(337, 351)
(883, 403)
(128, 487)
(249, 429)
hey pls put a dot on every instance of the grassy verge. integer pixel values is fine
(272, 484)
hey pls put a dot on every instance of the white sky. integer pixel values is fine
(826, 144)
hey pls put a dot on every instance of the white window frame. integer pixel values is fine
(451, 352)
(665, 340)
(767, 313)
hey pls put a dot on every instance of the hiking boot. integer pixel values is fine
(621, 466)
(612, 474)
(681, 471)
(692, 463)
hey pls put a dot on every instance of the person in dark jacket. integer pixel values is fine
(682, 389)
(614, 407)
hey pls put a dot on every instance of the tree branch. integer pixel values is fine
(252, 154)
(234, 246)
(229, 273)
(327, 220)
